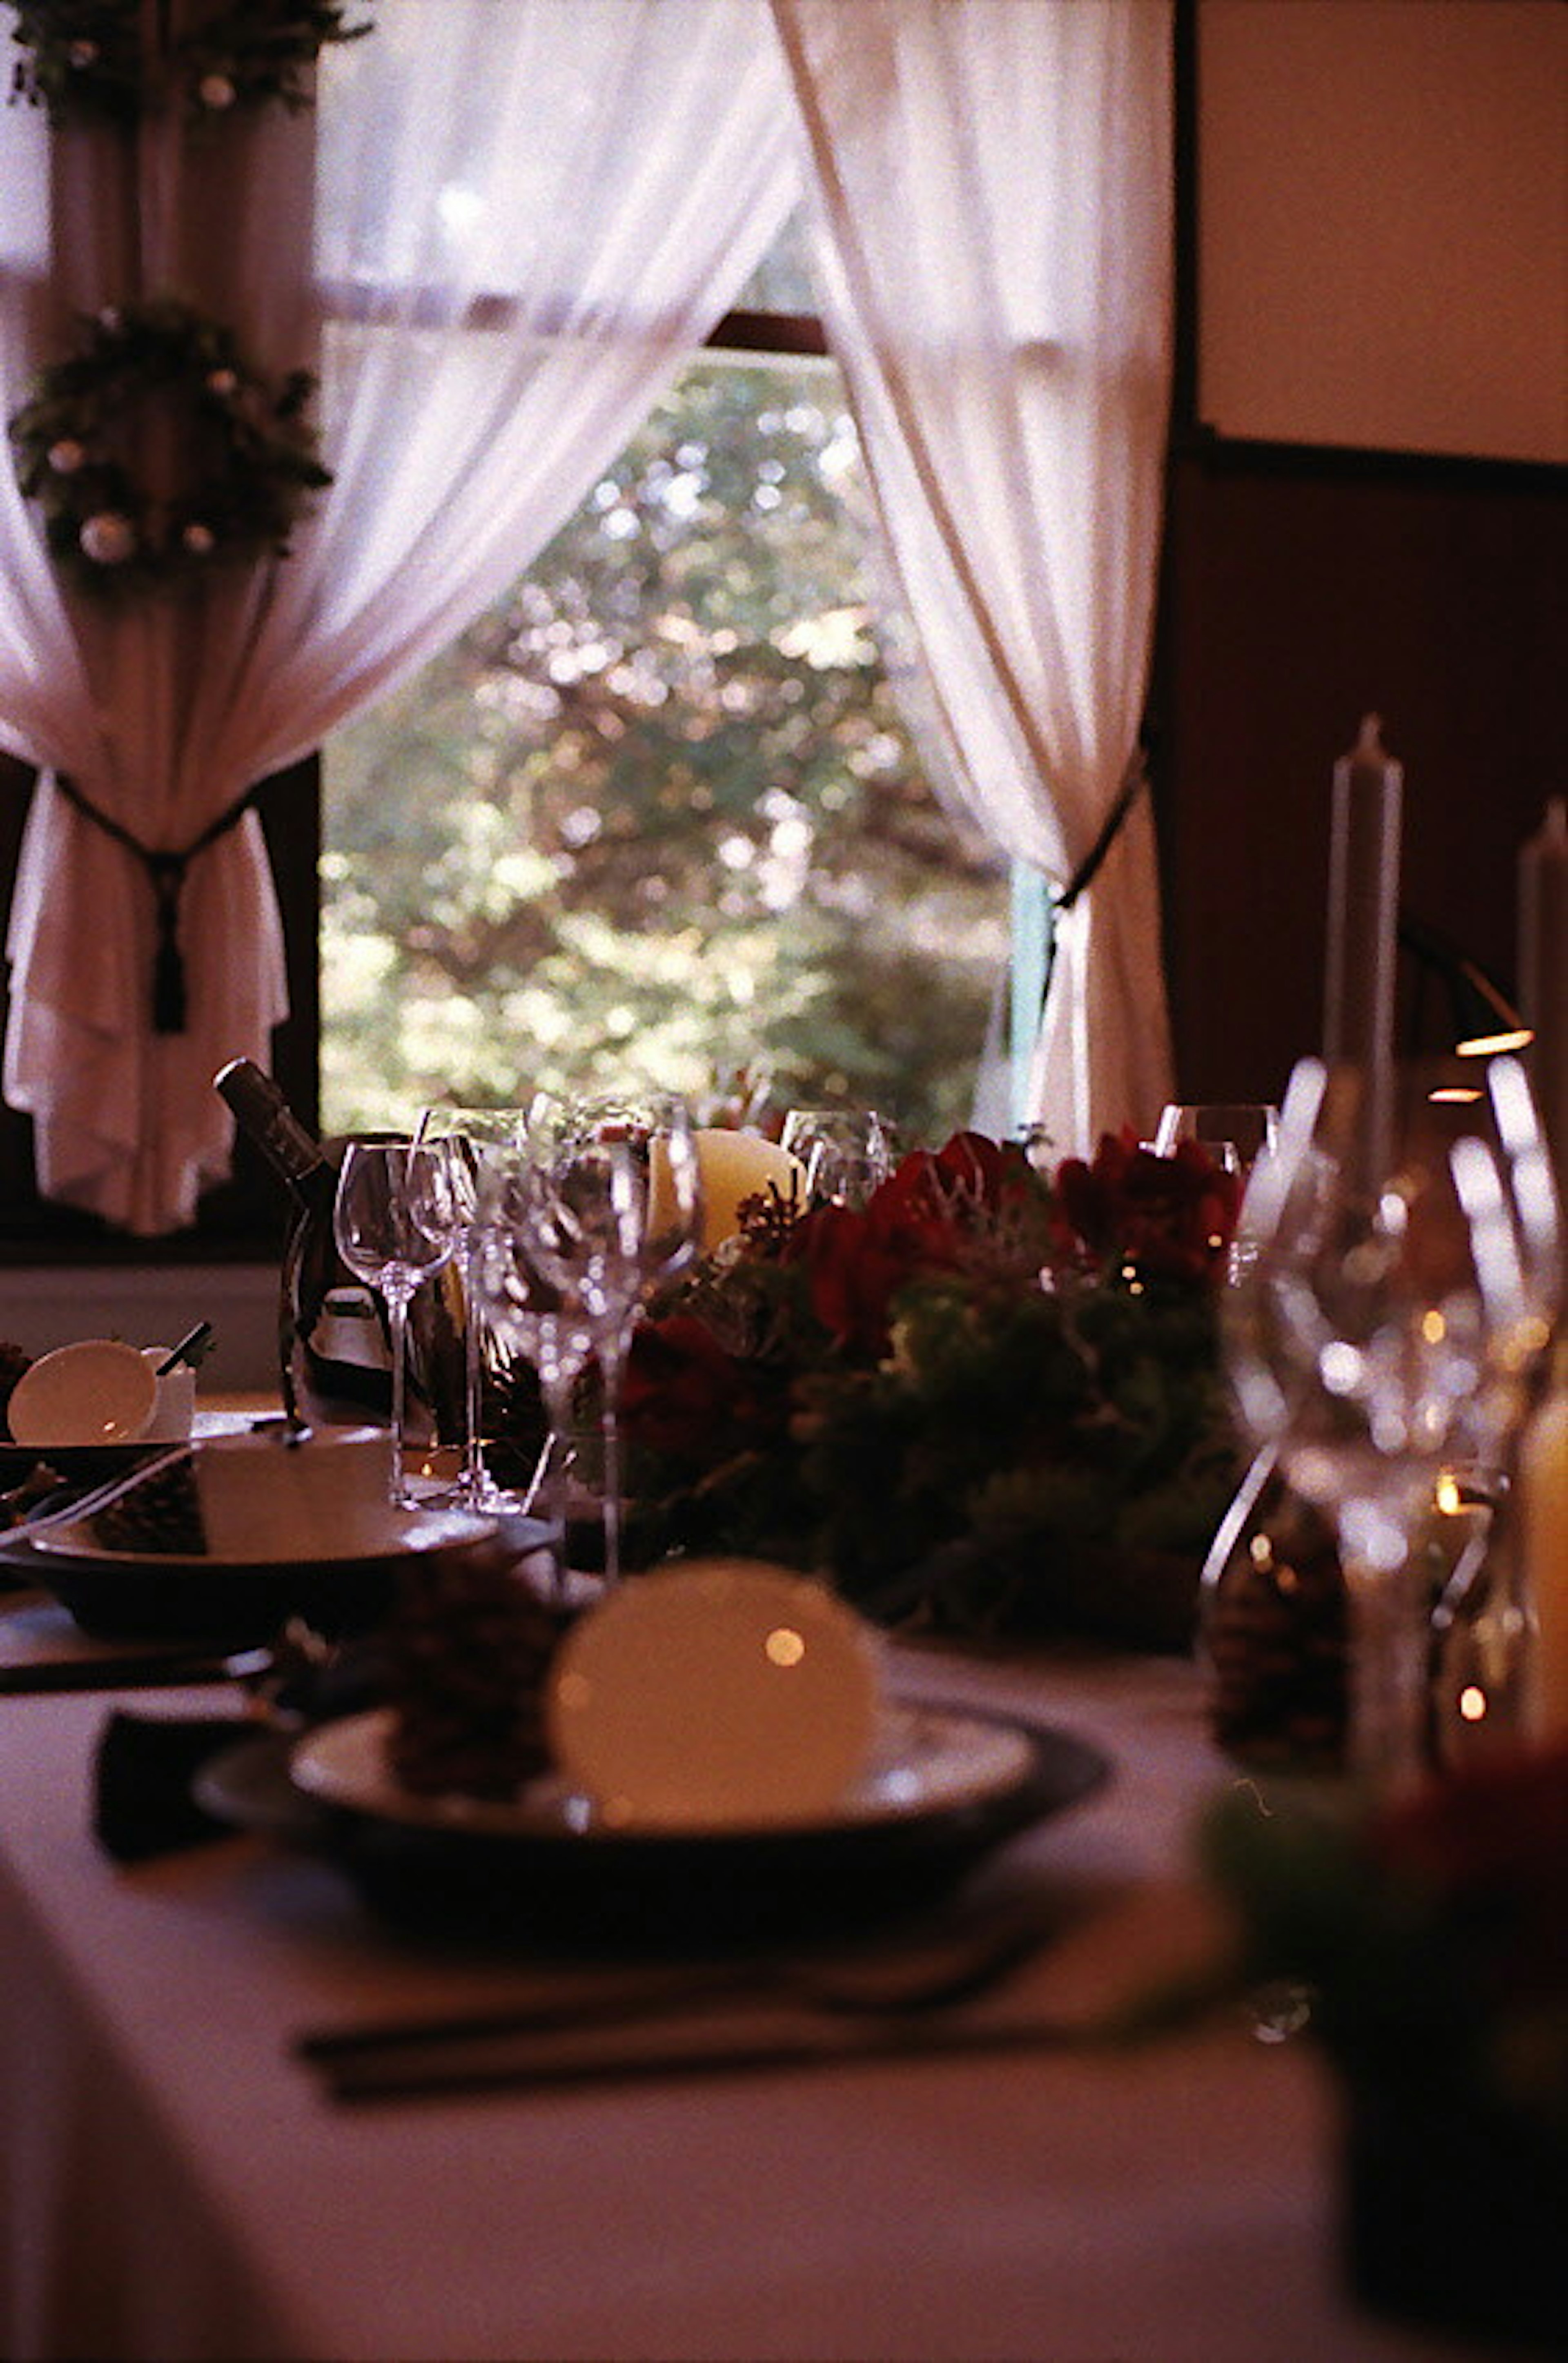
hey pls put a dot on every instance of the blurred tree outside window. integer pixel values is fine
(657, 816)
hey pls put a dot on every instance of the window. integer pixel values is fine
(658, 813)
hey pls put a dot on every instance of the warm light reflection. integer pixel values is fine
(785, 1646)
(1455, 1095)
(1495, 1045)
(1451, 1501)
(1472, 1704)
(1434, 1329)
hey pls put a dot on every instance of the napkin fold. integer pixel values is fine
(142, 1805)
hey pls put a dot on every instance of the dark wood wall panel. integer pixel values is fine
(1302, 590)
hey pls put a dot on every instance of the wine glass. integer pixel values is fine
(1393, 1309)
(611, 1204)
(395, 1223)
(531, 1316)
(1233, 1134)
(470, 1138)
(846, 1152)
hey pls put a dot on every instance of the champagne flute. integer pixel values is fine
(1388, 1322)
(611, 1205)
(394, 1219)
(470, 1138)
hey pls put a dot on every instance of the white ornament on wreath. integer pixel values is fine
(161, 374)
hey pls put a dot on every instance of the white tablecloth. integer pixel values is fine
(175, 2187)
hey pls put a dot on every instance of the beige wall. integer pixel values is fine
(1383, 198)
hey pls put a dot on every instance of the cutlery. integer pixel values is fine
(170, 1669)
(187, 1351)
(958, 1968)
(86, 1505)
(823, 2042)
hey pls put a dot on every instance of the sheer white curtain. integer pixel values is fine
(994, 182)
(501, 231)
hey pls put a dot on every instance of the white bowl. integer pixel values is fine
(96, 1392)
(719, 1694)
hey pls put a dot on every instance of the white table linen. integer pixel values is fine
(175, 2186)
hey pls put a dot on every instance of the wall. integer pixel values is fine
(1361, 513)
(1382, 224)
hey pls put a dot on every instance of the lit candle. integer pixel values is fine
(1363, 925)
(1543, 1505)
(734, 1166)
(1543, 974)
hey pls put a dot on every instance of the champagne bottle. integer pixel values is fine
(334, 1361)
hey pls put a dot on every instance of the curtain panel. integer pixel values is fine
(496, 238)
(994, 194)
(497, 235)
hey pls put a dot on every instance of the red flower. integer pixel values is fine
(1155, 1217)
(686, 1396)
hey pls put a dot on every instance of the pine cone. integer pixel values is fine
(161, 1514)
(1275, 1631)
(469, 1645)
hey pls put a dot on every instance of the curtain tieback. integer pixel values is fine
(1089, 868)
(1133, 782)
(166, 871)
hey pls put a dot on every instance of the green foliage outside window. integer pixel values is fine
(656, 817)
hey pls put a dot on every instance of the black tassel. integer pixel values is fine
(168, 873)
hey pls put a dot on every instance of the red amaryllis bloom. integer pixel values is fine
(1158, 1217)
(687, 1397)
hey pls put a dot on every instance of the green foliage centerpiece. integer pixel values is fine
(988, 1401)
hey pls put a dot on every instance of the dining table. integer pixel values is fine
(181, 2183)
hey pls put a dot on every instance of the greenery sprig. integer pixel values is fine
(157, 452)
(86, 60)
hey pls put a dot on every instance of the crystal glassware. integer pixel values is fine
(1393, 1309)
(471, 1138)
(395, 1221)
(610, 1205)
(846, 1152)
(531, 1316)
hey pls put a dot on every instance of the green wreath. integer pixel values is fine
(238, 453)
(84, 59)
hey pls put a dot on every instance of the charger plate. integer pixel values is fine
(947, 1786)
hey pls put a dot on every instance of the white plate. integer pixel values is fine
(406, 1530)
(926, 1762)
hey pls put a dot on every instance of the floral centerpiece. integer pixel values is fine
(989, 1400)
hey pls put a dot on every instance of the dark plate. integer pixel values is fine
(80, 1465)
(73, 1464)
(126, 1596)
(952, 1785)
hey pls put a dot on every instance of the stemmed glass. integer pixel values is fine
(611, 1204)
(846, 1153)
(394, 1220)
(471, 1138)
(1392, 1311)
(531, 1316)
